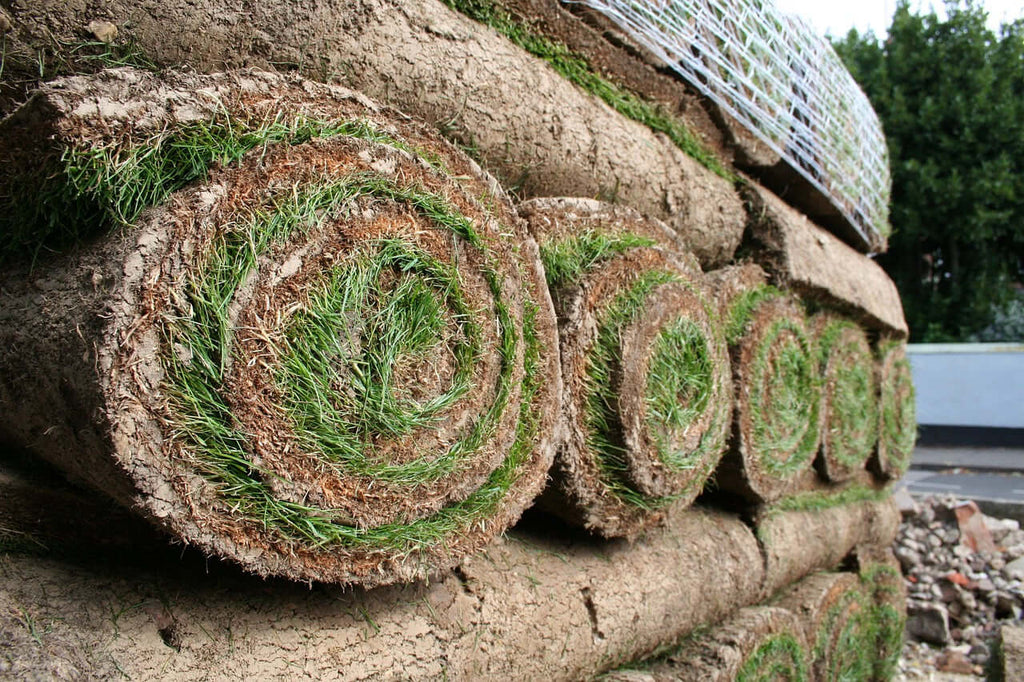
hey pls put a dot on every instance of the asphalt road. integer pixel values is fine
(992, 477)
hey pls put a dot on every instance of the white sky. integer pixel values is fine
(836, 17)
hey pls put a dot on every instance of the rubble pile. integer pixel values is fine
(964, 573)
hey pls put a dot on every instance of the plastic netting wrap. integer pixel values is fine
(781, 81)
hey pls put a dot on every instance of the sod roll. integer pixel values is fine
(522, 114)
(756, 643)
(646, 397)
(849, 400)
(776, 420)
(836, 615)
(897, 421)
(883, 583)
(294, 329)
(798, 542)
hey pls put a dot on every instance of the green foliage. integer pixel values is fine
(950, 94)
(577, 70)
(779, 658)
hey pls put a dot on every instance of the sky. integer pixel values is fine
(837, 17)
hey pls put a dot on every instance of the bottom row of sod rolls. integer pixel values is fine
(332, 358)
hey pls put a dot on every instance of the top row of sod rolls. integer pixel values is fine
(318, 340)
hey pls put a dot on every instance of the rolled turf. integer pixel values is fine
(883, 583)
(646, 398)
(756, 644)
(837, 617)
(897, 420)
(776, 420)
(849, 400)
(289, 326)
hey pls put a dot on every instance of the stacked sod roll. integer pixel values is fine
(897, 420)
(883, 583)
(849, 401)
(776, 422)
(294, 328)
(646, 371)
(837, 618)
(756, 643)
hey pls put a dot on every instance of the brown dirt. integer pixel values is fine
(115, 406)
(536, 131)
(582, 491)
(817, 265)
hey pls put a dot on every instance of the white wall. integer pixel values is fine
(969, 384)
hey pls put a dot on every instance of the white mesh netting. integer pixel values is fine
(782, 82)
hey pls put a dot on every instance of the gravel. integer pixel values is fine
(963, 572)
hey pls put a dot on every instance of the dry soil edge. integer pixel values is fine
(529, 126)
(529, 607)
(819, 266)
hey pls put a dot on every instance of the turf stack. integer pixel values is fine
(776, 386)
(897, 422)
(646, 398)
(316, 341)
(849, 402)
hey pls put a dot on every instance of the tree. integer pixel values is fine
(950, 94)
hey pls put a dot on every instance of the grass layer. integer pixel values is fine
(604, 429)
(852, 428)
(95, 186)
(576, 69)
(204, 424)
(780, 657)
(846, 644)
(566, 260)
